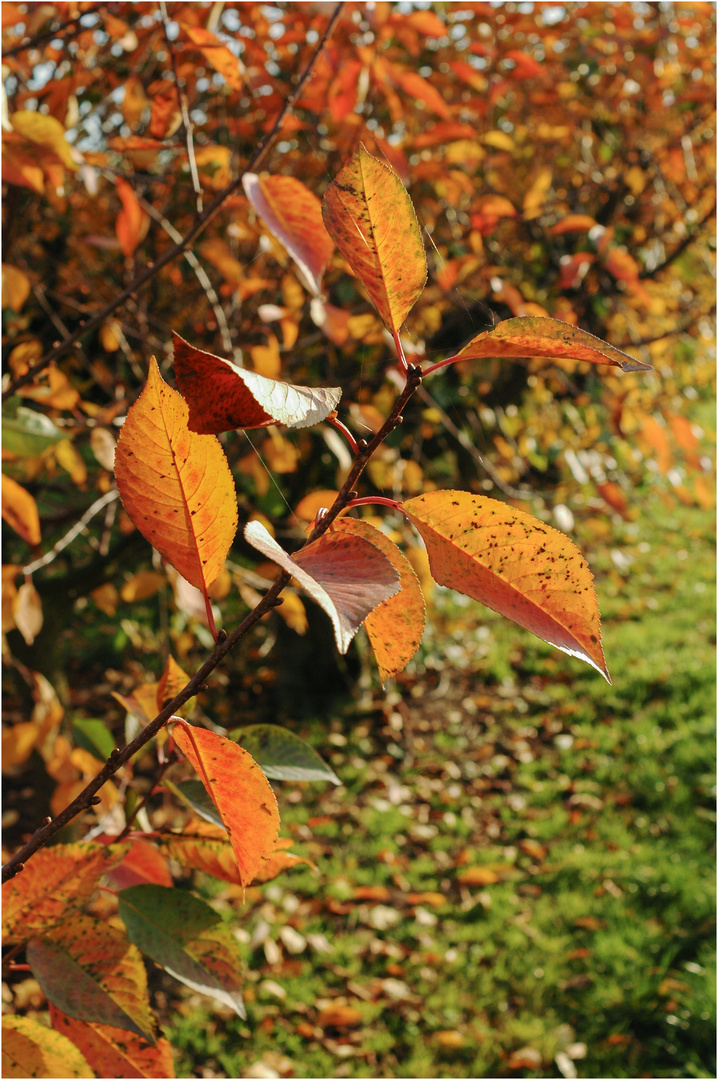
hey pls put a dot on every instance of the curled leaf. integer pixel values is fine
(535, 335)
(514, 564)
(293, 214)
(222, 396)
(396, 627)
(346, 575)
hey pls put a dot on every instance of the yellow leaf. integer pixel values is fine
(29, 1048)
(370, 217)
(499, 140)
(69, 457)
(28, 612)
(106, 597)
(15, 287)
(46, 131)
(266, 359)
(142, 585)
(19, 509)
(109, 335)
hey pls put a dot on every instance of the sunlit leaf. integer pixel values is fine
(282, 755)
(370, 217)
(347, 576)
(57, 882)
(222, 396)
(90, 971)
(144, 864)
(176, 485)
(132, 221)
(114, 1052)
(515, 565)
(26, 432)
(532, 335)
(240, 791)
(294, 215)
(45, 131)
(19, 509)
(396, 626)
(187, 938)
(29, 1048)
(222, 59)
(15, 287)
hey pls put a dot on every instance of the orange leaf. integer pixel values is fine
(533, 335)
(294, 215)
(143, 864)
(396, 626)
(370, 217)
(573, 223)
(132, 221)
(19, 509)
(222, 396)
(339, 1016)
(515, 565)
(31, 1049)
(172, 681)
(207, 848)
(346, 575)
(176, 485)
(421, 89)
(55, 883)
(114, 1052)
(478, 875)
(279, 862)
(240, 791)
(91, 971)
(214, 50)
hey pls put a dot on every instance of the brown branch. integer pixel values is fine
(225, 644)
(200, 221)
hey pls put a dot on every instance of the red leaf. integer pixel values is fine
(514, 564)
(222, 396)
(533, 335)
(346, 575)
(114, 1052)
(294, 215)
(240, 791)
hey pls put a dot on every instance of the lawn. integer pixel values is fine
(516, 877)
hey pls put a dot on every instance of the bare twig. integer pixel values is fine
(199, 223)
(685, 243)
(75, 531)
(184, 110)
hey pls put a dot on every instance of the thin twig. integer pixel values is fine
(200, 273)
(685, 243)
(75, 531)
(184, 110)
(199, 223)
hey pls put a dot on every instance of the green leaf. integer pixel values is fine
(95, 737)
(282, 755)
(187, 938)
(194, 794)
(28, 432)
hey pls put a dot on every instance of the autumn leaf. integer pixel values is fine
(57, 882)
(222, 396)
(132, 221)
(294, 215)
(112, 1051)
(283, 755)
(222, 59)
(396, 626)
(19, 509)
(533, 335)
(347, 576)
(144, 864)
(515, 565)
(187, 938)
(176, 485)
(370, 217)
(240, 791)
(45, 131)
(90, 971)
(29, 1048)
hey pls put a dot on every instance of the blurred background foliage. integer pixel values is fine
(561, 161)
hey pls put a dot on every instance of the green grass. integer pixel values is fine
(593, 804)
